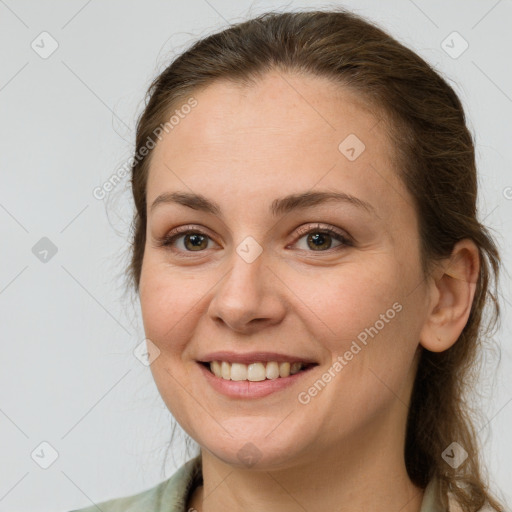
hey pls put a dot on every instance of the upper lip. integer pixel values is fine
(253, 357)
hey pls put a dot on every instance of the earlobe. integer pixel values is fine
(452, 291)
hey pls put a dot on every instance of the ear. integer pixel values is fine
(452, 289)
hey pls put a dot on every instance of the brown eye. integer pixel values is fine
(318, 241)
(193, 241)
(321, 239)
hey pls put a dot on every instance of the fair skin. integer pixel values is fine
(242, 148)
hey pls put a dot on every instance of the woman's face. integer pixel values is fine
(261, 274)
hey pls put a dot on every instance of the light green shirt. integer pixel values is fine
(172, 494)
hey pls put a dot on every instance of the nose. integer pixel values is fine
(248, 297)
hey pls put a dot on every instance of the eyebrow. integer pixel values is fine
(278, 207)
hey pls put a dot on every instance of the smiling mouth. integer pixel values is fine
(255, 372)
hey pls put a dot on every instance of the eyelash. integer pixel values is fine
(171, 237)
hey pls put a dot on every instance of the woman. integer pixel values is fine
(311, 272)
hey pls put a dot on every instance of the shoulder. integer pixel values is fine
(169, 495)
(146, 500)
(432, 501)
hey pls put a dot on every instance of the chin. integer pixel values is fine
(261, 451)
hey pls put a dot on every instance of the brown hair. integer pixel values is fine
(434, 156)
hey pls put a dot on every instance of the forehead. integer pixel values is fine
(282, 135)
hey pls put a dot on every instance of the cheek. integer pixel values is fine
(169, 315)
(349, 299)
(364, 316)
(167, 301)
(365, 322)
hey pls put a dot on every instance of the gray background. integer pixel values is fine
(68, 376)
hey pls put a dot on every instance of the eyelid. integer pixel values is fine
(325, 227)
(182, 230)
(168, 239)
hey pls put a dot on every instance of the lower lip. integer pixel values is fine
(248, 389)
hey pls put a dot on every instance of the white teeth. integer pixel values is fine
(238, 371)
(215, 368)
(284, 369)
(272, 370)
(225, 370)
(254, 372)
